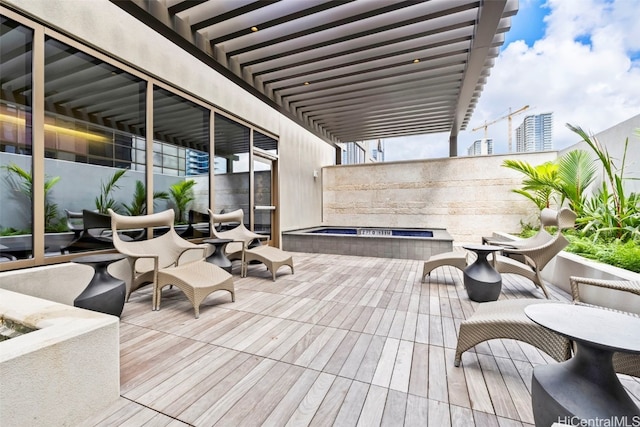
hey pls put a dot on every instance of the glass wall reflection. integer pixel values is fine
(181, 136)
(232, 144)
(94, 148)
(16, 212)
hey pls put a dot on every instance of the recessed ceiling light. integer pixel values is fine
(306, 83)
(254, 29)
(415, 61)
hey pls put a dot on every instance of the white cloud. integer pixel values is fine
(586, 70)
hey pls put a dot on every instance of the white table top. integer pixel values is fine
(605, 329)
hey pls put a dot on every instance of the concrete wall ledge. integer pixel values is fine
(559, 270)
(64, 371)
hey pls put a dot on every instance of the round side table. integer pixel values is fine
(585, 388)
(104, 293)
(482, 282)
(218, 257)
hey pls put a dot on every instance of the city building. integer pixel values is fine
(362, 152)
(481, 147)
(535, 133)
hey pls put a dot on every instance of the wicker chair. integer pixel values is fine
(548, 218)
(246, 244)
(460, 259)
(168, 260)
(533, 258)
(507, 319)
(626, 290)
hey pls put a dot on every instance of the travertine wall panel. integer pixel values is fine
(469, 196)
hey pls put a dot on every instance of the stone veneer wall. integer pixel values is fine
(469, 196)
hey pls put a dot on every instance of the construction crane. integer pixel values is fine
(507, 116)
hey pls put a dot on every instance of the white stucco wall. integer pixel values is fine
(469, 196)
(614, 140)
(101, 24)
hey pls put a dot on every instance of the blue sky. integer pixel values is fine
(528, 25)
(579, 59)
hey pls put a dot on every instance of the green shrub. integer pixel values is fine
(617, 253)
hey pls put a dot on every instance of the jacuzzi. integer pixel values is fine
(382, 242)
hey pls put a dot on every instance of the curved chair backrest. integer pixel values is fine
(74, 221)
(238, 233)
(92, 220)
(566, 218)
(548, 218)
(167, 247)
(123, 222)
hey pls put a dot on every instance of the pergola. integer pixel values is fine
(348, 70)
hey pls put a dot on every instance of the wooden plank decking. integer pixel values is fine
(345, 341)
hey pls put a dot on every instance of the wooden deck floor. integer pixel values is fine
(343, 341)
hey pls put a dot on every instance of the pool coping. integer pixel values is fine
(404, 247)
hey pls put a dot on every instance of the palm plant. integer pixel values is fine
(576, 172)
(105, 200)
(540, 181)
(138, 205)
(182, 194)
(567, 179)
(25, 184)
(612, 211)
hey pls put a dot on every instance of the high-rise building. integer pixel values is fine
(535, 133)
(197, 162)
(481, 147)
(370, 151)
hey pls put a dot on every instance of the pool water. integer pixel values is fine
(375, 232)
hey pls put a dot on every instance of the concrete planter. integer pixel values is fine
(559, 270)
(68, 368)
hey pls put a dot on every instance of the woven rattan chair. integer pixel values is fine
(460, 260)
(506, 319)
(168, 260)
(548, 218)
(625, 290)
(246, 244)
(529, 261)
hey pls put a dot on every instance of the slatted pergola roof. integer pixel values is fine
(349, 70)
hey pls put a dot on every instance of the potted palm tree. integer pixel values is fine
(182, 195)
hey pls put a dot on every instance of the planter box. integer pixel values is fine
(559, 270)
(64, 371)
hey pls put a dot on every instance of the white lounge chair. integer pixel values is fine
(168, 260)
(244, 244)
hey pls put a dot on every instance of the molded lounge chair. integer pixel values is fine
(548, 218)
(531, 255)
(507, 319)
(536, 257)
(459, 259)
(245, 245)
(168, 260)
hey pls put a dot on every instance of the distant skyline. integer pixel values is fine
(579, 59)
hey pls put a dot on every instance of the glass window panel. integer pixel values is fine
(94, 115)
(262, 194)
(181, 126)
(265, 142)
(16, 211)
(232, 145)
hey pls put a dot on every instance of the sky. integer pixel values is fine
(579, 59)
